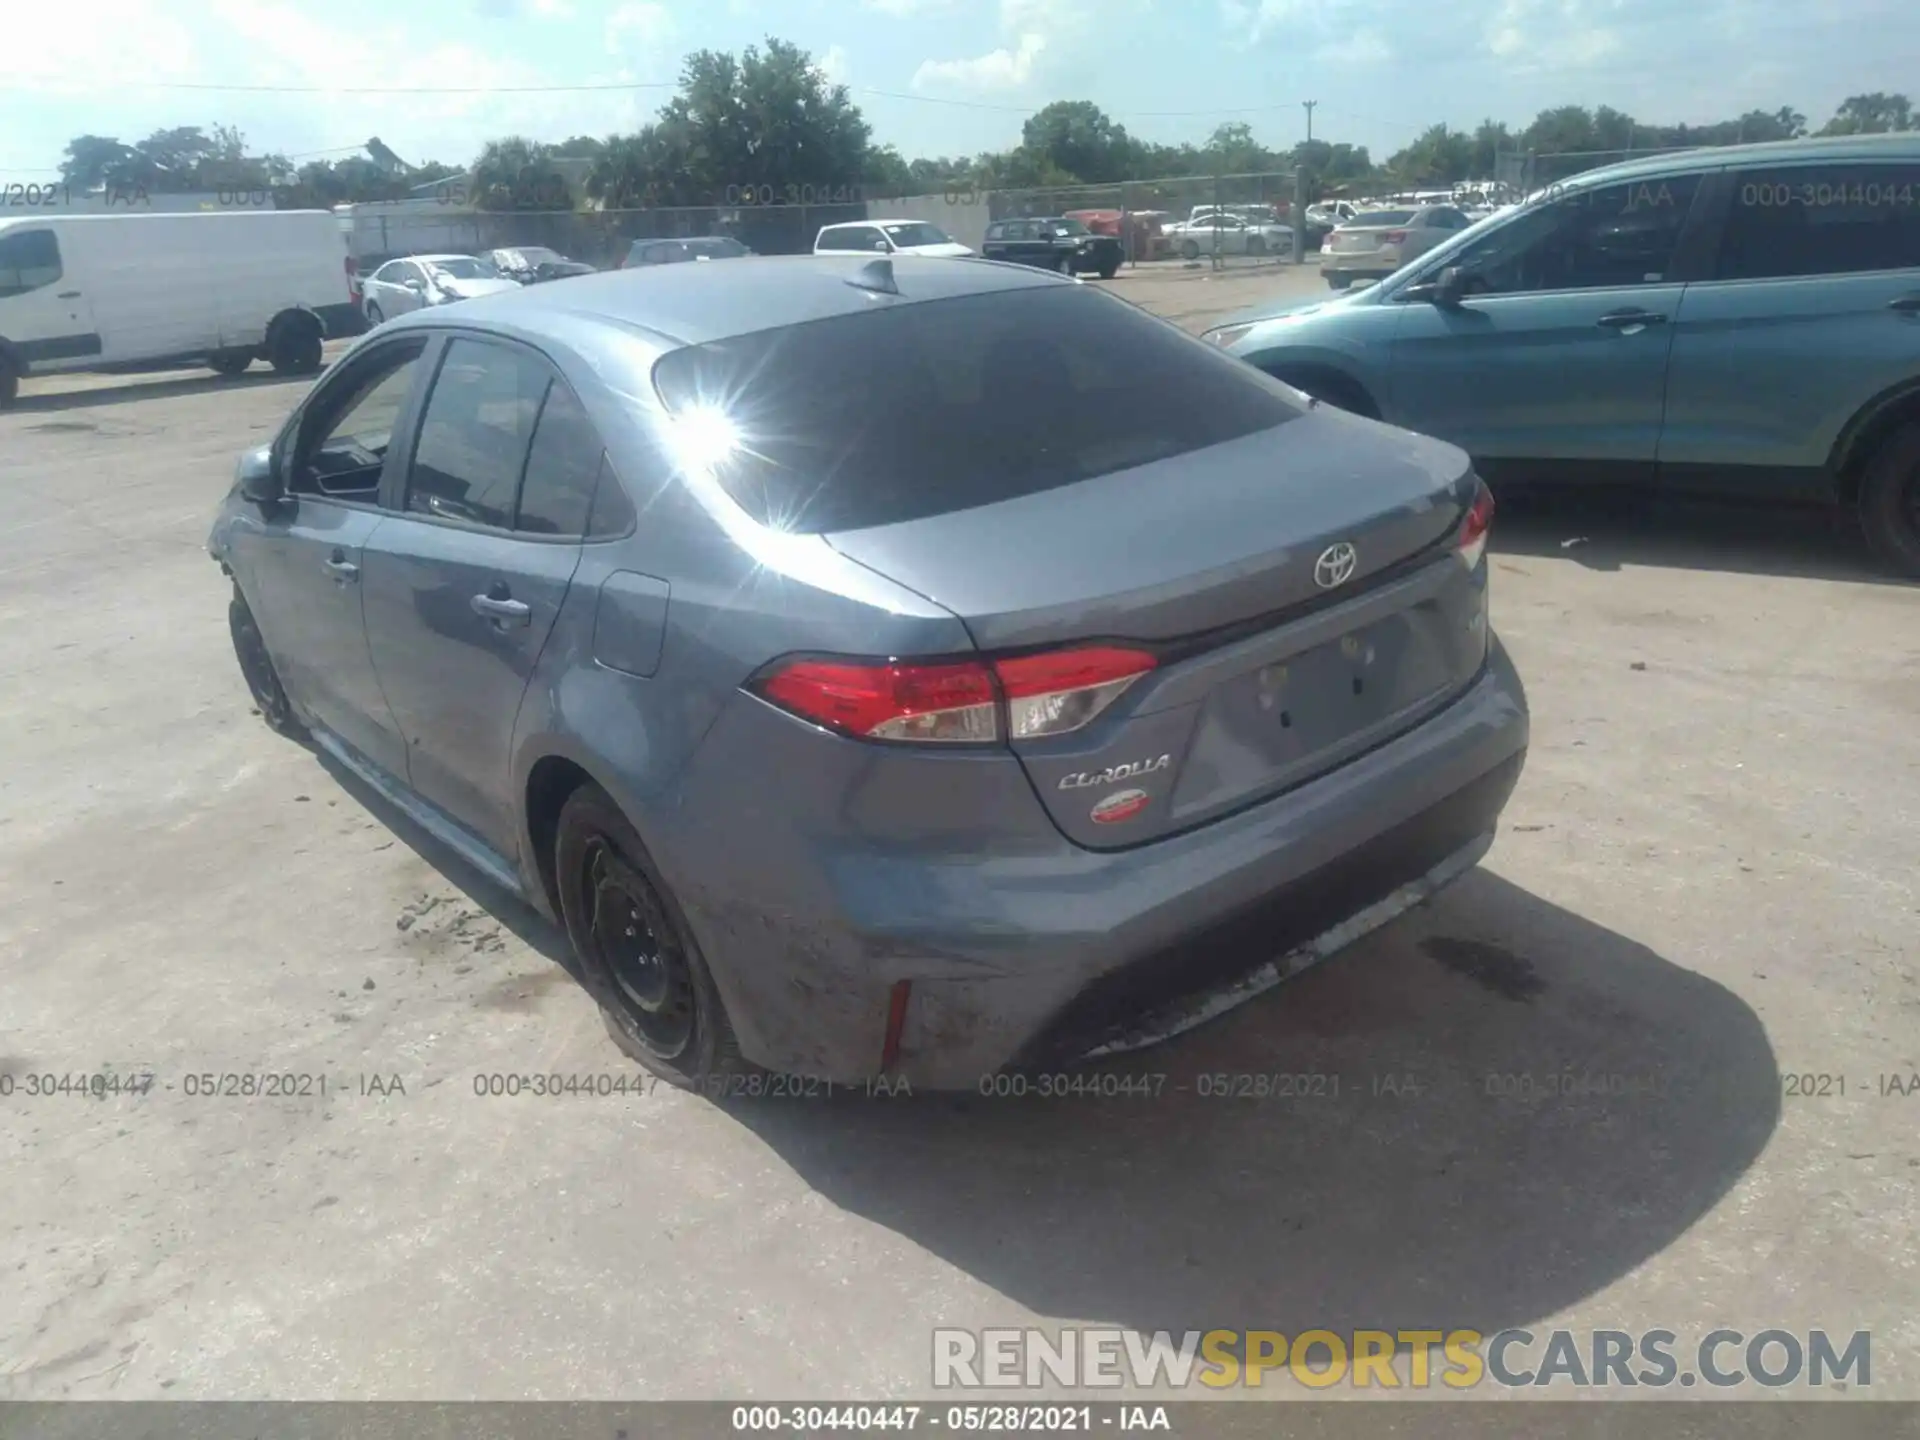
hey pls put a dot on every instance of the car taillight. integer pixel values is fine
(1471, 543)
(966, 701)
(1394, 237)
(1053, 693)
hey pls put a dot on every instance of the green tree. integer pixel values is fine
(1875, 114)
(1439, 157)
(92, 161)
(1232, 150)
(1077, 138)
(515, 173)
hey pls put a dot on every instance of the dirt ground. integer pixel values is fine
(1705, 888)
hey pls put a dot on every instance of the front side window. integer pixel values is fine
(1609, 237)
(1821, 220)
(896, 414)
(344, 440)
(917, 233)
(29, 260)
(465, 267)
(717, 247)
(474, 435)
(1068, 227)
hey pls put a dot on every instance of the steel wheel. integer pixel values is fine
(640, 951)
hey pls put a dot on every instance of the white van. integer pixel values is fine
(111, 292)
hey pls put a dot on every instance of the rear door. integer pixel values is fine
(1009, 455)
(464, 581)
(1555, 364)
(1812, 309)
(46, 317)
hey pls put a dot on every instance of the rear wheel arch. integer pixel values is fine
(1870, 428)
(550, 784)
(1324, 382)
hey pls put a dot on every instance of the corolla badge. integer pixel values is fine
(1121, 805)
(1085, 779)
(1335, 566)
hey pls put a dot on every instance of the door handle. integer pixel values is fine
(69, 295)
(1624, 319)
(502, 610)
(1905, 305)
(340, 568)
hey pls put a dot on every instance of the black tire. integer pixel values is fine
(1256, 245)
(1890, 501)
(9, 385)
(294, 347)
(230, 362)
(374, 315)
(257, 668)
(1109, 270)
(1339, 282)
(1189, 249)
(656, 995)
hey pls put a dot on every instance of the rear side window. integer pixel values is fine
(923, 409)
(29, 260)
(557, 495)
(475, 432)
(1821, 220)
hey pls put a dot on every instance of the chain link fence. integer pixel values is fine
(601, 238)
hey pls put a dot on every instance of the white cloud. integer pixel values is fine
(833, 64)
(1001, 69)
(640, 26)
(1363, 47)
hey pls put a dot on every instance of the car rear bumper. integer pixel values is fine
(1370, 266)
(1048, 953)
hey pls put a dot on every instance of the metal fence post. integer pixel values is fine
(1299, 217)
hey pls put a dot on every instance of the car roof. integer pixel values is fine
(448, 255)
(700, 304)
(1831, 148)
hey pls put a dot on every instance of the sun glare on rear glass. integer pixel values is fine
(704, 437)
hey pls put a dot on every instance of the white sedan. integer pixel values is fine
(422, 280)
(1228, 235)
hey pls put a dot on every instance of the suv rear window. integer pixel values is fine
(928, 408)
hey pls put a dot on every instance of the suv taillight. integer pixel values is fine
(1471, 543)
(1024, 697)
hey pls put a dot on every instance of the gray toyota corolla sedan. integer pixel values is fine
(915, 668)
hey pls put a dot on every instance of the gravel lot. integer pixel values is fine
(1706, 886)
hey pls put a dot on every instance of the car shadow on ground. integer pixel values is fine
(1611, 532)
(527, 924)
(1504, 1108)
(149, 387)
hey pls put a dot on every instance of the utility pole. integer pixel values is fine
(1309, 104)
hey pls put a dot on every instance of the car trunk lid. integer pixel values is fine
(1297, 587)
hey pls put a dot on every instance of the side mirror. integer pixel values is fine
(1451, 286)
(258, 477)
(881, 246)
(416, 285)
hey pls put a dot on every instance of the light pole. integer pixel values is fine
(1309, 104)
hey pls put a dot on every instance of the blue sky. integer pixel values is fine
(933, 76)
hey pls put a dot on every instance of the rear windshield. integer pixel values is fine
(924, 409)
(1382, 217)
(719, 246)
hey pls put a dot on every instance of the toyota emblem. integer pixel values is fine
(1335, 566)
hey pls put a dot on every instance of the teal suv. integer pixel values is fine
(1740, 322)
